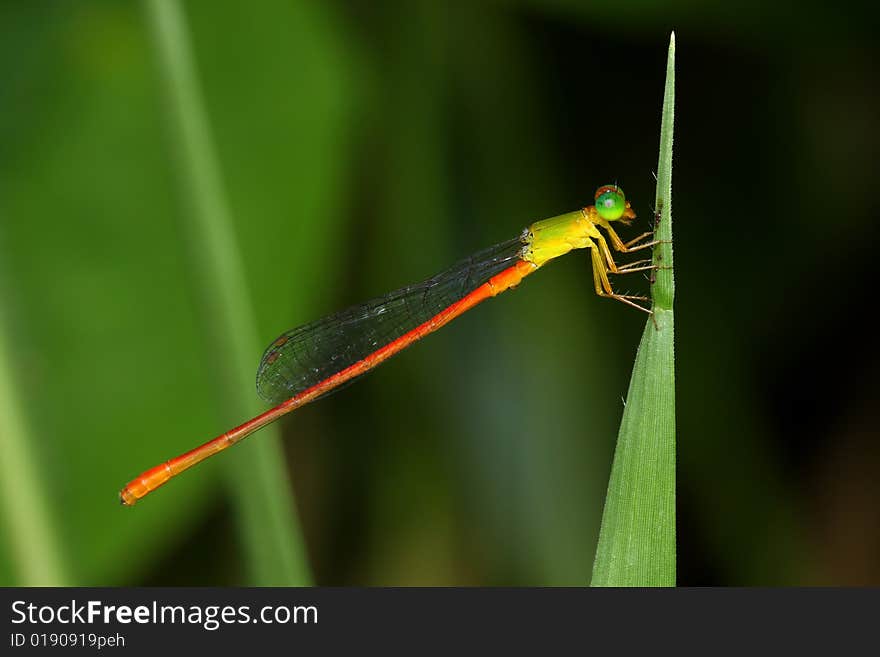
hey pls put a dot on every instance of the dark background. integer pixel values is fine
(365, 146)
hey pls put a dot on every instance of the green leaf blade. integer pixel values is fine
(637, 538)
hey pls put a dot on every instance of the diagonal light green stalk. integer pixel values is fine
(263, 495)
(637, 538)
(31, 535)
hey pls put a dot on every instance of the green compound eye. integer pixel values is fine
(610, 202)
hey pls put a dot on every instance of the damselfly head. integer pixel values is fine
(611, 204)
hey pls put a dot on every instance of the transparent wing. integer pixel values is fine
(305, 356)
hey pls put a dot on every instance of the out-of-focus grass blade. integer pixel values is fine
(637, 539)
(31, 533)
(269, 530)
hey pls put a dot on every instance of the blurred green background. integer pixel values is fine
(364, 146)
